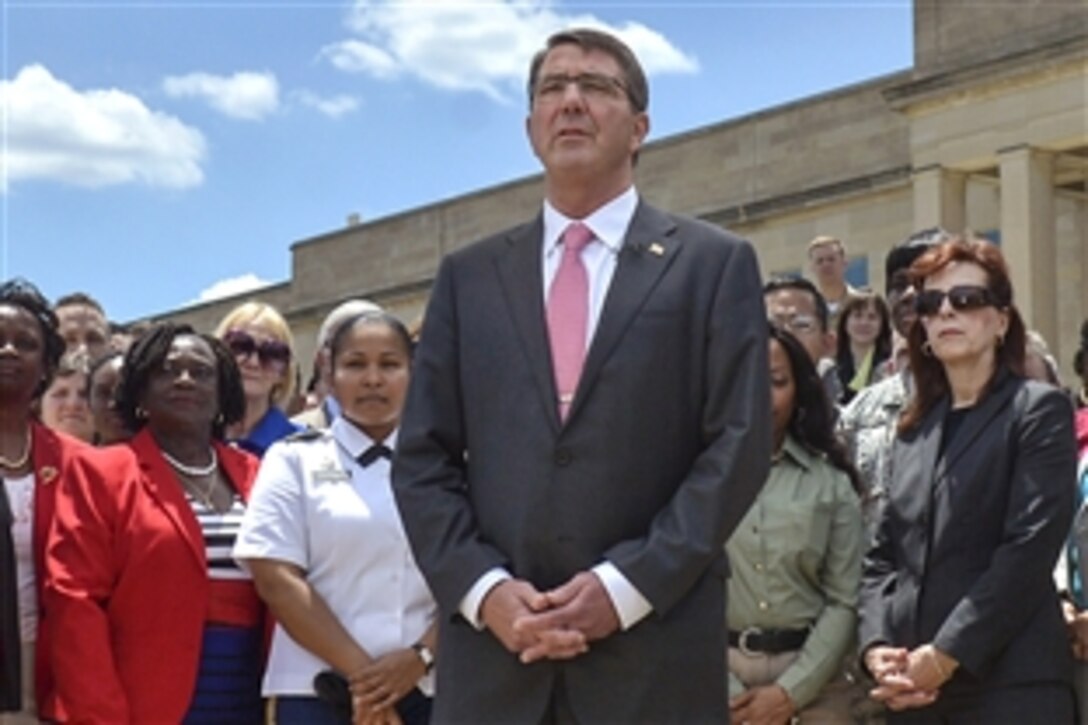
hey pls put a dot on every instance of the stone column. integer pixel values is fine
(940, 198)
(1028, 234)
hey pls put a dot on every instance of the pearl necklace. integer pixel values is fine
(17, 463)
(193, 471)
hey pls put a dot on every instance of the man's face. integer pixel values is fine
(581, 125)
(828, 264)
(82, 326)
(795, 311)
(901, 303)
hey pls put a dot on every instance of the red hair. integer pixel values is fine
(930, 382)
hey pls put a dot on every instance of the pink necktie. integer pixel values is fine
(568, 315)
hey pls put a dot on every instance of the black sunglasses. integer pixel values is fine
(269, 352)
(963, 298)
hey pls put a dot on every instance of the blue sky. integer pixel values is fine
(156, 153)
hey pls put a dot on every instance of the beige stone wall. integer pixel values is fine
(790, 150)
(868, 225)
(951, 33)
(964, 127)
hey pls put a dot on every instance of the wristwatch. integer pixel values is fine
(426, 655)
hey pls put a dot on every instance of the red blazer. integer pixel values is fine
(52, 454)
(127, 585)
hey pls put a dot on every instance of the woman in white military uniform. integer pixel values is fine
(323, 540)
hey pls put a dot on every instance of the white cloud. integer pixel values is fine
(247, 96)
(230, 287)
(92, 138)
(331, 106)
(482, 46)
(355, 56)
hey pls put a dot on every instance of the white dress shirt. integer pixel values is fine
(609, 225)
(314, 506)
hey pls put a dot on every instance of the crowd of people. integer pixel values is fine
(615, 477)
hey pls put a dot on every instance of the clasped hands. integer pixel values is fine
(557, 624)
(378, 686)
(908, 678)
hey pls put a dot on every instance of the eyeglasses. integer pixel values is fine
(962, 298)
(797, 324)
(269, 352)
(590, 85)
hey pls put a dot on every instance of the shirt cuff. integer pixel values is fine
(629, 603)
(470, 604)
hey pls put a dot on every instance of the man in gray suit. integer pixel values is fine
(568, 501)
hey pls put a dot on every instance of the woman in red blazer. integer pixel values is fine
(33, 459)
(152, 620)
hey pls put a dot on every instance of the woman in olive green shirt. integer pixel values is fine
(796, 561)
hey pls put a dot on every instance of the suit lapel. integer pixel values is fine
(522, 281)
(238, 466)
(47, 457)
(161, 482)
(929, 444)
(647, 252)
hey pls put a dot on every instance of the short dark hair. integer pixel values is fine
(78, 298)
(902, 255)
(774, 284)
(20, 293)
(376, 317)
(634, 79)
(98, 363)
(148, 352)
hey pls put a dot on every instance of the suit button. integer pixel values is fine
(763, 606)
(563, 457)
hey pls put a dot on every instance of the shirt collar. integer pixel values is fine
(272, 426)
(355, 441)
(797, 453)
(608, 223)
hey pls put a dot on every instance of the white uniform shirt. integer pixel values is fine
(314, 506)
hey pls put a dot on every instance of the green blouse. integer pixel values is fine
(796, 561)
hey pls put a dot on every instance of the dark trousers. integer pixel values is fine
(1047, 703)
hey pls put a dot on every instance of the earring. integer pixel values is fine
(140, 412)
(1000, 341)
(219, 419)
(927, 349)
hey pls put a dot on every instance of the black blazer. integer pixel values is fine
(10, 674)
(967, 544)
(666, 445)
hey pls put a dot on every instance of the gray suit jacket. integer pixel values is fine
(968, 540)
(666, 444)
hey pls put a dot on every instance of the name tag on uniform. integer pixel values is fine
(331, 473)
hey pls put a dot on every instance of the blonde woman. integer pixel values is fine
(263, 347)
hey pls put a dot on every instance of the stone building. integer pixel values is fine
(988, 131)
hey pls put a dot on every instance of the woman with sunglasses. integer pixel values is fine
(261, 342)
(151, 620)
(960, 619)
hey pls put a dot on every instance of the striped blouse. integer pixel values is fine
(219, 531)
